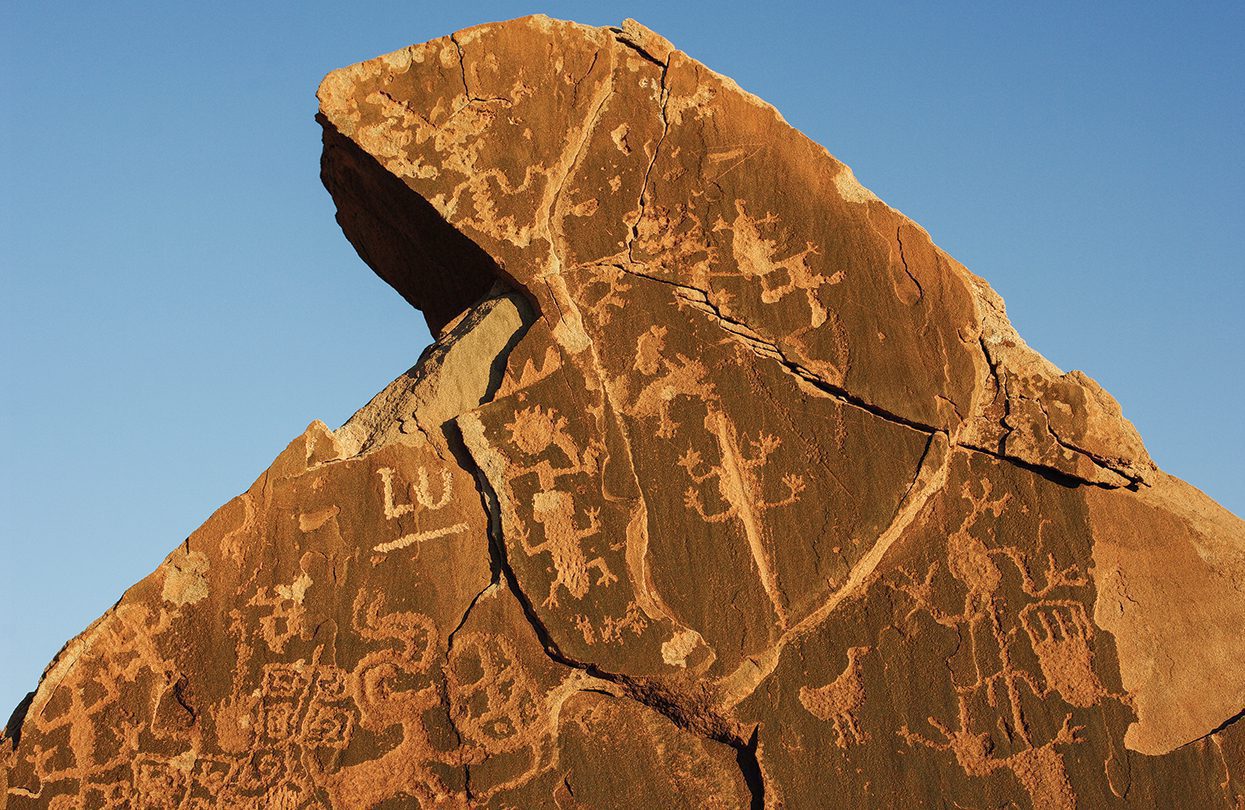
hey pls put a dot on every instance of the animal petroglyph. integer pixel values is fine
(1060, 635)
(555, 512)
(838, 701)
(741, 490)
(757, 258)
(670, 378)
(1040, 770)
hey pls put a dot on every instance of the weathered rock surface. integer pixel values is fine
(721, 486)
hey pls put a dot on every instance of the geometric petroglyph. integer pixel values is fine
(494, 701)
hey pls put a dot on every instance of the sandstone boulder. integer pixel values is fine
(722, 486)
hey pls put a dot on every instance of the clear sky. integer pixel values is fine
(177, 303)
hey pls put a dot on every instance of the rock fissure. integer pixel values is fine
(899, 241)
(663, 101)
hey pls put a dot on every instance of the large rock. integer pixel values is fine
(721, 486)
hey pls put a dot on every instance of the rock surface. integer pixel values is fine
(722, 486)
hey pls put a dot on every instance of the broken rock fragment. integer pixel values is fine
(721, 486)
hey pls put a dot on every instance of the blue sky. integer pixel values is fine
(177, 301)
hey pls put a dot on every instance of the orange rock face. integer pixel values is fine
(722, 486)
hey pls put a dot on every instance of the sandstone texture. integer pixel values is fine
(722, 486)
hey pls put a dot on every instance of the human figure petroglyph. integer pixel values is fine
(741, 489)
(838, 701)
(284, 615)
(1059, 632)
(555, 512)
(611, 628)
(756, 256)
(535, 430)
(1039, 769)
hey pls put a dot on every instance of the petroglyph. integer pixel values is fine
(494, 701)
(706, 495)
(393, 687)
(535, 430)
(422, 500)
(1061, 635)
(419, 537)
(839, 701)
(1040, 770)
(610, 629)
(741, 490)
(757, 258)
(670, 378)
(554, 511)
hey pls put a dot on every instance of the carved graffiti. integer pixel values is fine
(422, 500)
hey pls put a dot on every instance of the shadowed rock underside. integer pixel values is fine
(722, 486)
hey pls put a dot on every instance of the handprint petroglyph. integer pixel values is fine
(1059, 634)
